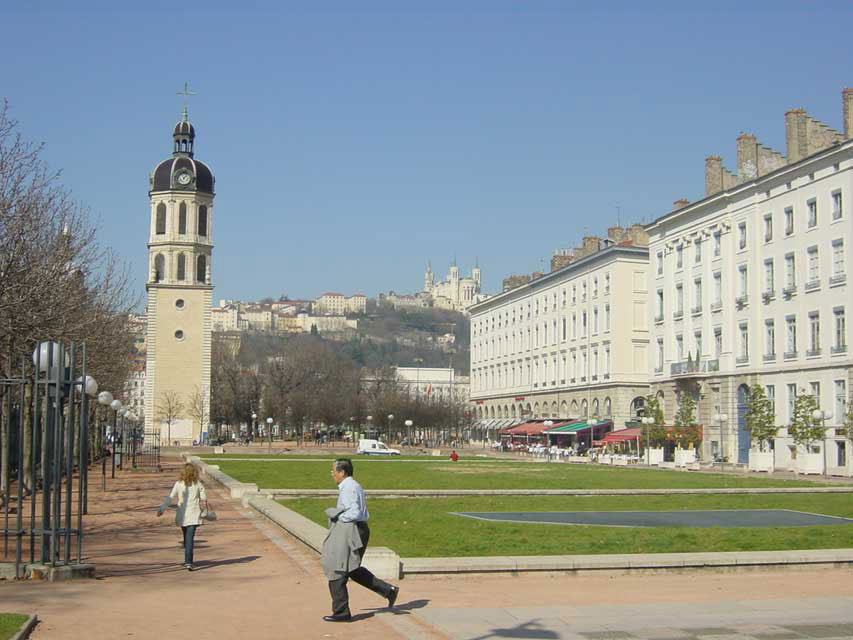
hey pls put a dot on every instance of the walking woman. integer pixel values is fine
(191, 498)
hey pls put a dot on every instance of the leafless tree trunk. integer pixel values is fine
(169, 409)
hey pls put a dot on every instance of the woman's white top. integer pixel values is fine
(189, 503)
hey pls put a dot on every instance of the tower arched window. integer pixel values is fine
(201, 269)
(160, 227)
(182, 267)
(182, 218)
(159, 267)
(202, 221)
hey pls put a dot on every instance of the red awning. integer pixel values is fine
(533, 428)
(622, 435)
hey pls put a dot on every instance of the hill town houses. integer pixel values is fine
(746, 286)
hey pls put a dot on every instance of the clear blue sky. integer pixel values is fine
(353, 143)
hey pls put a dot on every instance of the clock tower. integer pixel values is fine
(180, 247)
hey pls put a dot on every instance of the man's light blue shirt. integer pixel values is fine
(351, 500)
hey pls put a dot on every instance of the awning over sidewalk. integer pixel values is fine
(575, 427)
(533, 428)
(622, 435)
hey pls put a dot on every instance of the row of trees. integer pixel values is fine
(303, 383)
(760, 420)
(57, 282)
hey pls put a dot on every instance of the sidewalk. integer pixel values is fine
(247, 585)
(256, 582)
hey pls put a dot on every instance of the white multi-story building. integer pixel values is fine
(338, 304)
(572, 343)
(435, 383)
(750, 286)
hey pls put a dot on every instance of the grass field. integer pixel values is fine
(429, 473)
(10, 623)
(424, 527)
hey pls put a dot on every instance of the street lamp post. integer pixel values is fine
(721, 419)
(269, 429)
(409, 424)
(823, 416)
(115, 405)
(390, 422)
(88, 389)
(105, 398)
(254, 425)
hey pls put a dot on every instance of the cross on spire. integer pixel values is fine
(186, 92)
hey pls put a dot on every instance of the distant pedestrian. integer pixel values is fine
(346, 543)
(454, 456)
(191, 499)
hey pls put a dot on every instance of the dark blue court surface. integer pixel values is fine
(722, 518)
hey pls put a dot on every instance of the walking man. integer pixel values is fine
(346, 543)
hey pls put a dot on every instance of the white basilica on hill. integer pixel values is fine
(454, 293)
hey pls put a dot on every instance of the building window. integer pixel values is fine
(574, 326)
(201, 269)
(574, 295)
(790, 271)
(679, 299)
(679, 257)
(814, 333)
(697, 251)
(697, 343)
(160, 227)
(791, 333)
(814, 391)
(607, 317)
(584, 326)
(837, 209)
(838, 257)
(595, 321)
(840, 401)
(769, 338)
(606, 283)
(564, 329)
(679, 347)
(744, 340)
(741, 231)
(718, 342)
(792, 399)
(606, 360)
(697, 293)
(814, 265)
(182, 267)
(660, 354)
(743, 281)
(768, 227)
(812, 207)
(659, 314)
(768, 276)
(660, 263)
(718, 241)
(789, 221)
(182, 218)
(595, 287)
(718, 287)
(202, 221)
(770, 389)
(840, 329)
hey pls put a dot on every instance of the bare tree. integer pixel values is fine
(170, 409)
(199, 408)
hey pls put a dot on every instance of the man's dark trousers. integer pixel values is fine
(362, 576)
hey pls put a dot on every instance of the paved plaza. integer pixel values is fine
(255, 581)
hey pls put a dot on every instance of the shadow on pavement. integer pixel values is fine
(530, 629)
(210, 564)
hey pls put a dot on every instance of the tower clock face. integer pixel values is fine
(184, 178)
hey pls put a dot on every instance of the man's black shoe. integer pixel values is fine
(392, 597)
(338, 618)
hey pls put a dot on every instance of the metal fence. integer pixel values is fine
(44, 419)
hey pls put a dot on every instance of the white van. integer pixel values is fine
(375, 447)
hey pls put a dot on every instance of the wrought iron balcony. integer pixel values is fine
(696, 310)
(742, 301)
(769, 357)
(659, 318)
(716, 306)
(811, 285)
(842, 348)
(812, 353)
(742, 360)
(768, 295)
(686, 367)
(659, 369)
(838, 278)
(789, 291)
(678, 314)
(790, 355)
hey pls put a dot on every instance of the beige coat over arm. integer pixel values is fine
(189, 499)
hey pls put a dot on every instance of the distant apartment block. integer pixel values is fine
(337, 304)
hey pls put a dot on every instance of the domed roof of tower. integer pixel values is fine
(182, 172)
(184, 128)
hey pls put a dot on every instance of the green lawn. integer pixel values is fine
(424, 527)
(10, 623)
(483, 474)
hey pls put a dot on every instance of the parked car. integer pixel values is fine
(375, 447)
